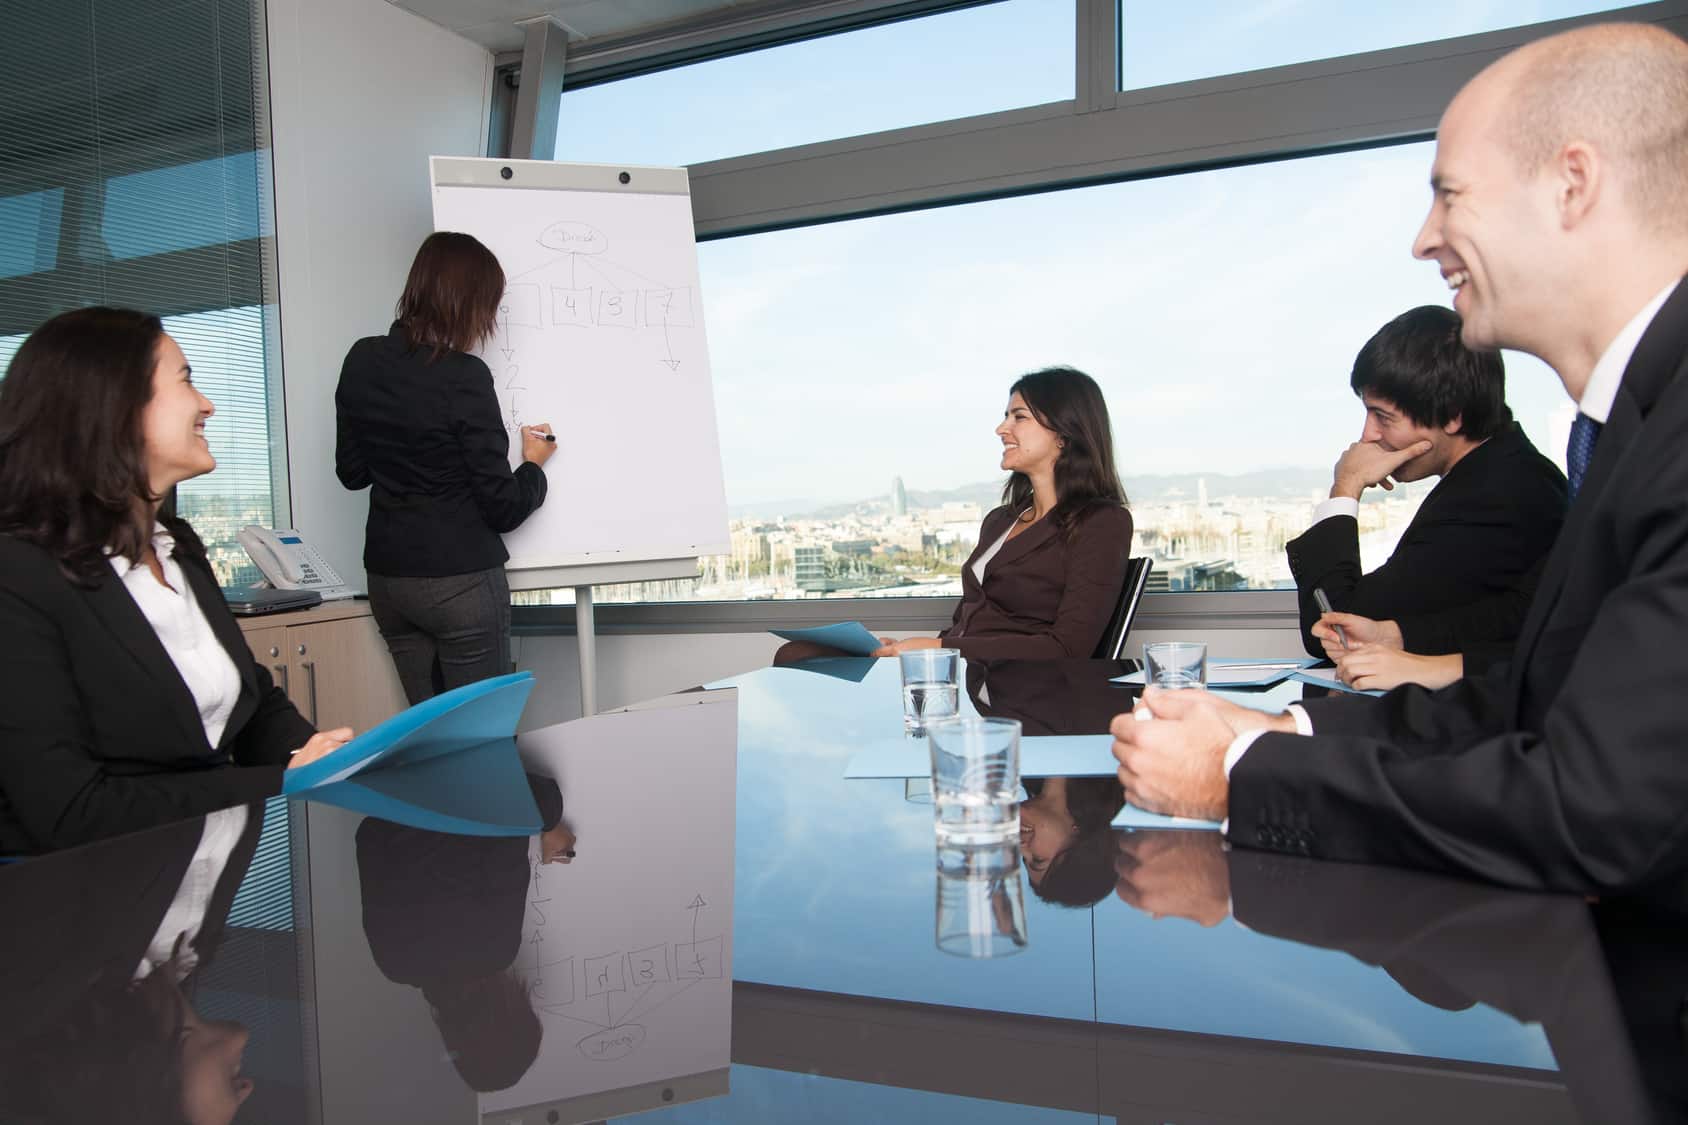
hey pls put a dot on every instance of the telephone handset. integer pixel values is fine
(291, 564)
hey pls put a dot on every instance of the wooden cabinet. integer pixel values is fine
(332, 663)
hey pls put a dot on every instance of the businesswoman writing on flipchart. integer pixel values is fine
(420, 427)
(128, 697)
(1046, 574)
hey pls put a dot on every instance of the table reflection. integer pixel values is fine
(105, 1014)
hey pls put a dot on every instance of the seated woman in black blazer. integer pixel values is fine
(128, 697)
(1046, 574)
(419, 425)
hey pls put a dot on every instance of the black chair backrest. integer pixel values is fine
(1130, 597)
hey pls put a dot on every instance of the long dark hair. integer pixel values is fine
(1083, 874)
(1068, 402)
(116, 1055)
(450, 299)
(73, 477)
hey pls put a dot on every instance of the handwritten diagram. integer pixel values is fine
(610, 993)
(579, 287)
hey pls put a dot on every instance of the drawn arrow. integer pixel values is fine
(509, 353)
(694, 906)
(671, 362)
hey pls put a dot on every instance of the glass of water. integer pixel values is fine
(975, 780)
(981, 906)
(930, 678)
(1175, 664)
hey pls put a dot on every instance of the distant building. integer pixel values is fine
(899, 498)
(810, 566)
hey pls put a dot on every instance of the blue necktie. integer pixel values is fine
(1580, 451)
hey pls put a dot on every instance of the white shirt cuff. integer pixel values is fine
(1336, 506)
(1240, 744)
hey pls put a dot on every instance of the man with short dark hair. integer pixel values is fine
(1456, 580)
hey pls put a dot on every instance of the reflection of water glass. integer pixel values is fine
(917, 790)
(981, 908)
(1175, 664)
(930, 677)
(975, 779)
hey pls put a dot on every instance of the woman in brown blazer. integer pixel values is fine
(1047, 572)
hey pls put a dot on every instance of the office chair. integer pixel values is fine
(1130, 597)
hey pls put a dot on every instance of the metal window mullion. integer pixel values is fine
(1096, 69)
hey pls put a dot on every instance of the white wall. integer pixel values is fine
(632, 667)
(361, 94)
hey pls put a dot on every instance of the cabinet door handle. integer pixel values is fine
(310, 685)
(280, 671)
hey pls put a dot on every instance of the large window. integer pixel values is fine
(1161, 43)
(1016, 53)
(861, 367)
(1218, 288)
(134, 171)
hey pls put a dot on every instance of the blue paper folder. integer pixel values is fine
(1326, 678)
(849, 636)
(1059, 755)
(458, 720)
(1133, 817)
(481, 791)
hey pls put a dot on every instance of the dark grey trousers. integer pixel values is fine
(444, 632)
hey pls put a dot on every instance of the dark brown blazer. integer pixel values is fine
(1043, 597)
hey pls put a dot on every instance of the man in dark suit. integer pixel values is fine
(1434, 408)
(1560, 219)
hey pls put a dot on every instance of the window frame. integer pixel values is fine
(1101, 135)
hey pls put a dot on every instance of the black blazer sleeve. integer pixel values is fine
(504, 498)
(1326, 557)
(51, 784)
(1096, 558)
(350, 463)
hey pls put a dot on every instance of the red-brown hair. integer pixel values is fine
(450, 299)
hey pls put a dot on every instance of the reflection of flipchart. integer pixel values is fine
(628, 949)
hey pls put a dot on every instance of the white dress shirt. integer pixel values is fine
(186, 917)
(174, 614)
(983, 560)
(1597, 398)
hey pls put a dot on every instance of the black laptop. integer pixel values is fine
(250, 601)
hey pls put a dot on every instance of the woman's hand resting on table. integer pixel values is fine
(1379, 668)
(889, 647)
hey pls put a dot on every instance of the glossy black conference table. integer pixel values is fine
(744, 935)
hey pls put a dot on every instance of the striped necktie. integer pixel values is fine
(1580, 451)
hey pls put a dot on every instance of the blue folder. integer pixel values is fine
(458, 720)
(1056, 755)
(1326, 678)
(1133, 817)
(481, 791)
(850, 636)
